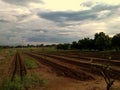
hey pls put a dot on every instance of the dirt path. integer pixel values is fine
(18, 67)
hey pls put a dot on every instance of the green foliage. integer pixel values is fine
(7, 53)
(86, 43)
(33, 80)
(63, 46)
(31, 64)
(116, 41)
(15, 85)
(28, 81)
(102, 41)
(74, 45)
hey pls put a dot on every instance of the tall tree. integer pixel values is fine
(86, 43)
(74, 45)
(116, 41)
(102, 41)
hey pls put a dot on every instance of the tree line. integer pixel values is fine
(101, 42)
(27, 46)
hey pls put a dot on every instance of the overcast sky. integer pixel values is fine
(56, 21)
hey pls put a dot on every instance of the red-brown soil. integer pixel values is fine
(56, 82)
(64, 74)
(62, 69)
(65, 71)
(4, 66)
(87, 66)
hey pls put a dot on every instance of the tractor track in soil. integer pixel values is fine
(18, 67)
(95, 67)
(62, 70)
(114, 56)
(94, 59)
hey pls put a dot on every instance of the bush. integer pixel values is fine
(31, 64)
(28, 81)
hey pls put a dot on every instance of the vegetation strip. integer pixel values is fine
(30, 63)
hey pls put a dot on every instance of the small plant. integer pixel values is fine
(28, 81)
(31, 64)
(33, 80)
(106, 75)
(15, 85)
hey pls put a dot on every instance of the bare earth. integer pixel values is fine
(62, 83)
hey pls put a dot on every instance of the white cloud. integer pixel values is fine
(104, 14)
(22, 2)
(62, 21)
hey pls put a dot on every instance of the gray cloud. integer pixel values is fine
(21, 25)
(87, 4)
(22, 2)
(4, 21)
(54, 36)
(9, 37)
(68, 16)
(54, 39)
(40, 30)
(91, 14)
(101, 6)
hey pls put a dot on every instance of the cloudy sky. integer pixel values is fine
(56, 21)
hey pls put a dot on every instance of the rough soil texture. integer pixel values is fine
(58, 81)
(63, 69)
(55, 82)
(18, 67)
(4, 67)
(60, 73)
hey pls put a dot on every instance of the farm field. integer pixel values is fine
(59, 45)
(42, 69)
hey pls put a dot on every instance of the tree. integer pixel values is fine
(102, 41)
(86, 43)
(116, 41)
(63, 46)
(74, 45)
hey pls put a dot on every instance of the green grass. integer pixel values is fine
(6, 54)
(15, 85)
(29, 81)
(30, 63)
(40, 49)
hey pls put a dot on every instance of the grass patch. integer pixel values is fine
(29, 81)
(30, 63)
(6, 54)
